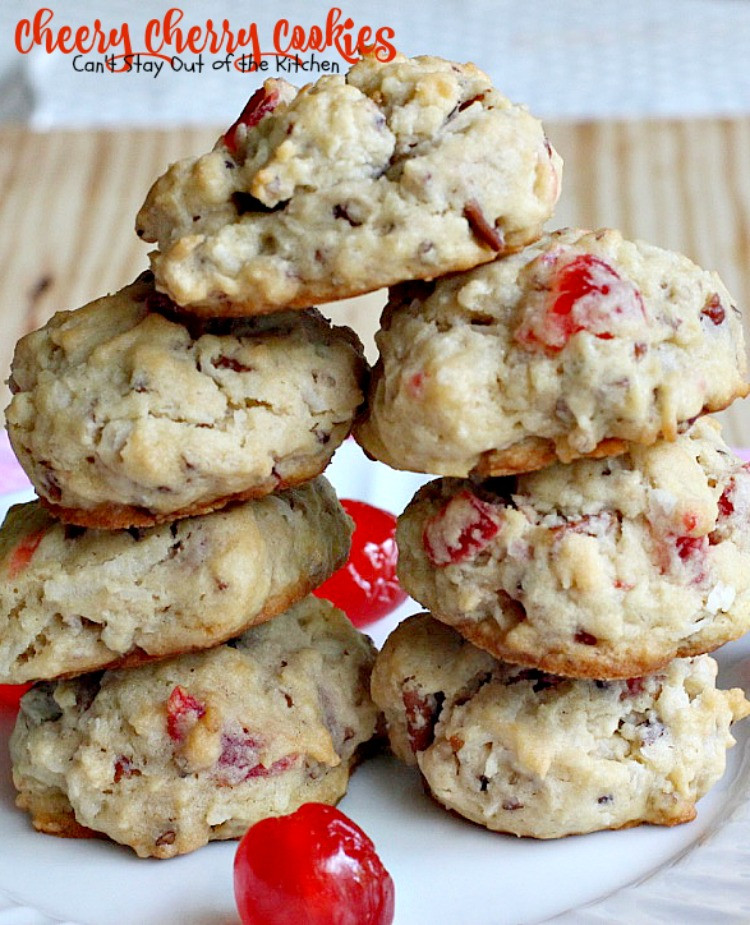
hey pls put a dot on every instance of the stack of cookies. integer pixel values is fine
(182, 521)
(587, 544)
(175, 432)
(590, 576)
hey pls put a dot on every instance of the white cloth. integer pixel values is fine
(566, 59)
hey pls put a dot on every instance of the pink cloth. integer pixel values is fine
(12, 476)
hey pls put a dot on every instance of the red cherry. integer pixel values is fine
(585, 294)
(22, 554)
(239, 759)
(460, 529)
(10, 694)
(726, 505)
(260, 103)
(313, 867)
(713, 309)
(691, 546)
(691, 551)
(183, 712)
(366, 587)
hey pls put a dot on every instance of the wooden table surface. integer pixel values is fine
(69, 200)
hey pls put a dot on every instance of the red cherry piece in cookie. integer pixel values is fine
(725, 502)
(366, 587)
(460, 529)
(689, 521)
(691, 552)
(714, 310)
(585, 294)
(260, 104)
(21, 555)
(415, 385)
(183, 711)
(240, 759)
(688, 547)
(10, 694)
(312, 867)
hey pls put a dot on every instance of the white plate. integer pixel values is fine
(446, 871)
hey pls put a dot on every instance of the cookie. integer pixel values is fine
(169, 756)
(533, 754)
(126, 414)
(399, 170)
(579, 345)
(601, 568)
(74, 600)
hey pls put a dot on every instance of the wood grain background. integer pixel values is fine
(69, 202)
